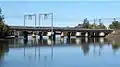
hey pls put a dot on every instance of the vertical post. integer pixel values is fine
(35, 24)
(53, 37)
(24, 19)
(35, 20)
(40, 33)
(24, 35)
(52, 25)
(39, 20)
(24, 26)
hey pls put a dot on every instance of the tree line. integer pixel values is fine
(86, 24)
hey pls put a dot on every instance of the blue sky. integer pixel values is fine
(66, 13)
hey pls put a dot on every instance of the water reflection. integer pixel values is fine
(84, 43)
(116, 46)
(41, 52)
(3, 49)
(47, 42)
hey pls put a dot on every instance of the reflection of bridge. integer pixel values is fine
(18, 43)
(63, 31)
(83, 43)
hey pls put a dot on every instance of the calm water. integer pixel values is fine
(76, 52)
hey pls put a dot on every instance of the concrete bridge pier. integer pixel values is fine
(101, 34)
(40, 35)
(83, 34)
(68, 35)
(25, 33)
(44, 33)
(78, 34)
(86, 34)
(51, 35)
(96, 34)
(62, 35)
(91, 34)
(54, 36)
(73, 34)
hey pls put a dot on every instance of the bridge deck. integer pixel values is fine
(71, 29)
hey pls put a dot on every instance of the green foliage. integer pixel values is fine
(3, 27)
(101, 26)
(87, 25)
(115, 46)
(115, 25)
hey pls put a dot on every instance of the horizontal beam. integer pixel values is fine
(58, 29)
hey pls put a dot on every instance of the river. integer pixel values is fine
(74, 52)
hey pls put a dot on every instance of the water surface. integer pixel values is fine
(74, 52)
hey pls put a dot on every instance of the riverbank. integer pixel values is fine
(114, 37)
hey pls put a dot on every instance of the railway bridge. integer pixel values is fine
(62, 31)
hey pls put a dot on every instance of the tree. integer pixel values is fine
(85, 23)
(101, 26)
(115, 25)
(4, 28)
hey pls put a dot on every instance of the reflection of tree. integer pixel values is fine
(3, 49)
(73, 41)
(4, 28)
(115, 46)
(85, 48)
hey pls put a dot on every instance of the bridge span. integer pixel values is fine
(63, 31)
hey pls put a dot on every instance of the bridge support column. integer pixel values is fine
(83, 34)
(34, 35)
(68, 35)
(73, 34)
(92, 34)
(78, 34)
(86, 34)
(54, 36)
(62, 35)
(40, 35)
(96, 34)
(101, 34)
(25, 35)
(51, 35)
